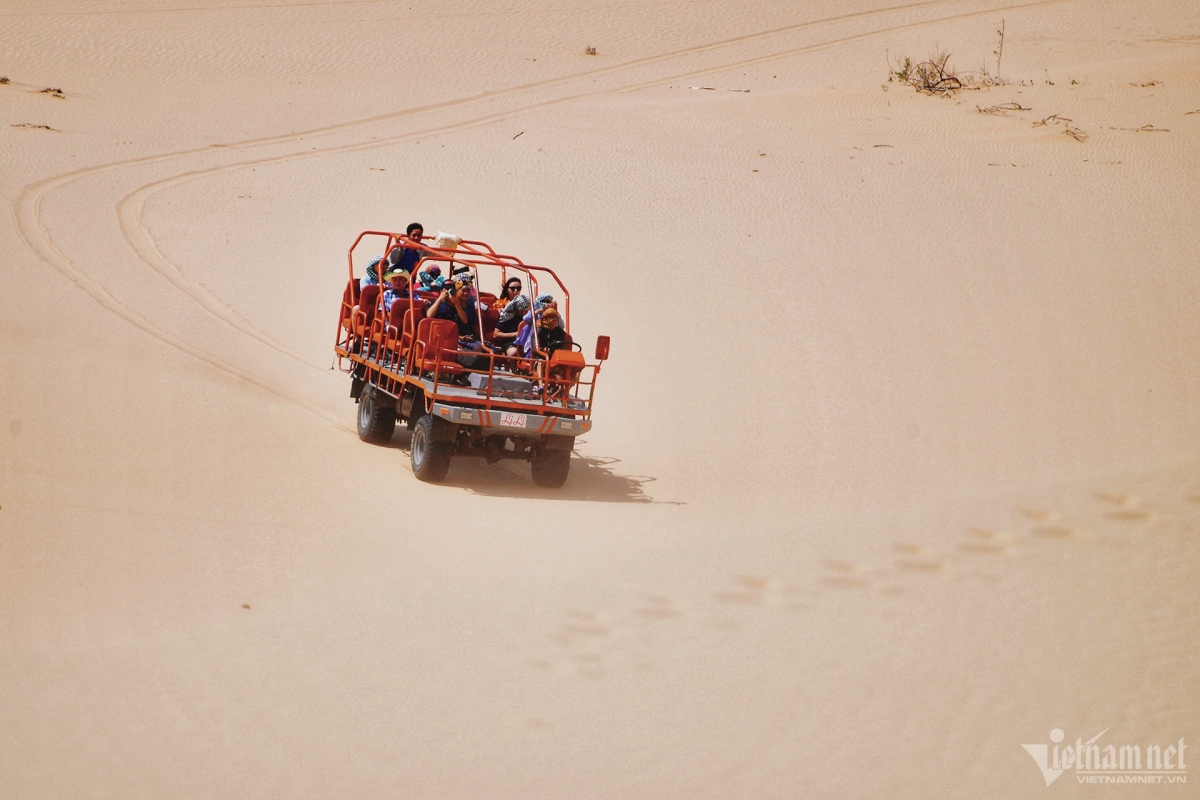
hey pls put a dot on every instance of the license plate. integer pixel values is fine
(511, 420)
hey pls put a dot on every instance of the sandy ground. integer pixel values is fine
(894, 466)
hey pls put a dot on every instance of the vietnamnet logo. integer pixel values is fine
(1094, 763)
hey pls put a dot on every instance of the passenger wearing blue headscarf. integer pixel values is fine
(523, 344)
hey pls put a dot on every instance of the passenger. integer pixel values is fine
(510, 320)
(455, 303)
(397, 281)
(550, 337)
(523, 344)
(509, 292)
(403, 256)
(430, 279)
(550, 333)
(458, 303)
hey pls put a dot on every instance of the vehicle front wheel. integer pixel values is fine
(550, 468)
(430, 459)
(376, 421)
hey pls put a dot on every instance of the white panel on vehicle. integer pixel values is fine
(511, 420)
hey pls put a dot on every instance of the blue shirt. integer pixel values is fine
(468, 329)
(391, 295)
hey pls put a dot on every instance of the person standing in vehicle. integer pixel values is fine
(402, 256)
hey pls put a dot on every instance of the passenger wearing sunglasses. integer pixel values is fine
(510, 291)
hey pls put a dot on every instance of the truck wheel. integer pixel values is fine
(430, 459)
(550, 468)
(376, 422)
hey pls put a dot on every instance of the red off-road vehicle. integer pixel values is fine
(457, 397)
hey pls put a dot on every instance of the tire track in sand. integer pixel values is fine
(28, 205)
(130, 208)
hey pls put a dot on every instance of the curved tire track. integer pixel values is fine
(131, 207)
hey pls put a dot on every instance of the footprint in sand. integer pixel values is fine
(918, 558)
(585, 630)
(1131, 515)
(1129, 507)
(751, 590)
(1039, 514)
(658, 607)
(1051, 526)
(1056, 532)
(987, 542)
(846, 575)
(584, 636)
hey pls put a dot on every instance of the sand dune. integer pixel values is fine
(893, 467)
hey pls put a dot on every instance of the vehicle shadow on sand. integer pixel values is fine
(593, 479)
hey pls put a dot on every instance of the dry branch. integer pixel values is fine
(1002, 109)
(1078, 134)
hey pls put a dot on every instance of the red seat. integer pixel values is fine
(349, 301)
(364, 312)
(489, 317)
(398, 334)
(434, 335)
(408, 331)
(382, 332)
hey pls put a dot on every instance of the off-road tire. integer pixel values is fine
(376, 421)
(550, 468)
(430, 459)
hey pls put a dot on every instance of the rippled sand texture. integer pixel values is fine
(894, 465)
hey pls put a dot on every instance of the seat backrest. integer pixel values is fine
(368, 302)
(412, 315)
(438, 334)
(489, 317)
(397, 312)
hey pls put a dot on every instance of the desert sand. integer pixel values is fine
(894, 466)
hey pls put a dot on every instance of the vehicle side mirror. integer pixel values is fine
(601, 348)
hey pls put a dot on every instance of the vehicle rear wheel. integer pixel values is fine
(376, 421)
(430, 459)
(550, 468)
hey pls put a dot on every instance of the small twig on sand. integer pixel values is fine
(31, 126)
(1143, 129)
(3, 81)
(1002, 109)
(519, 134)
(52, 92)
(1078, 134)
(1146, 84)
